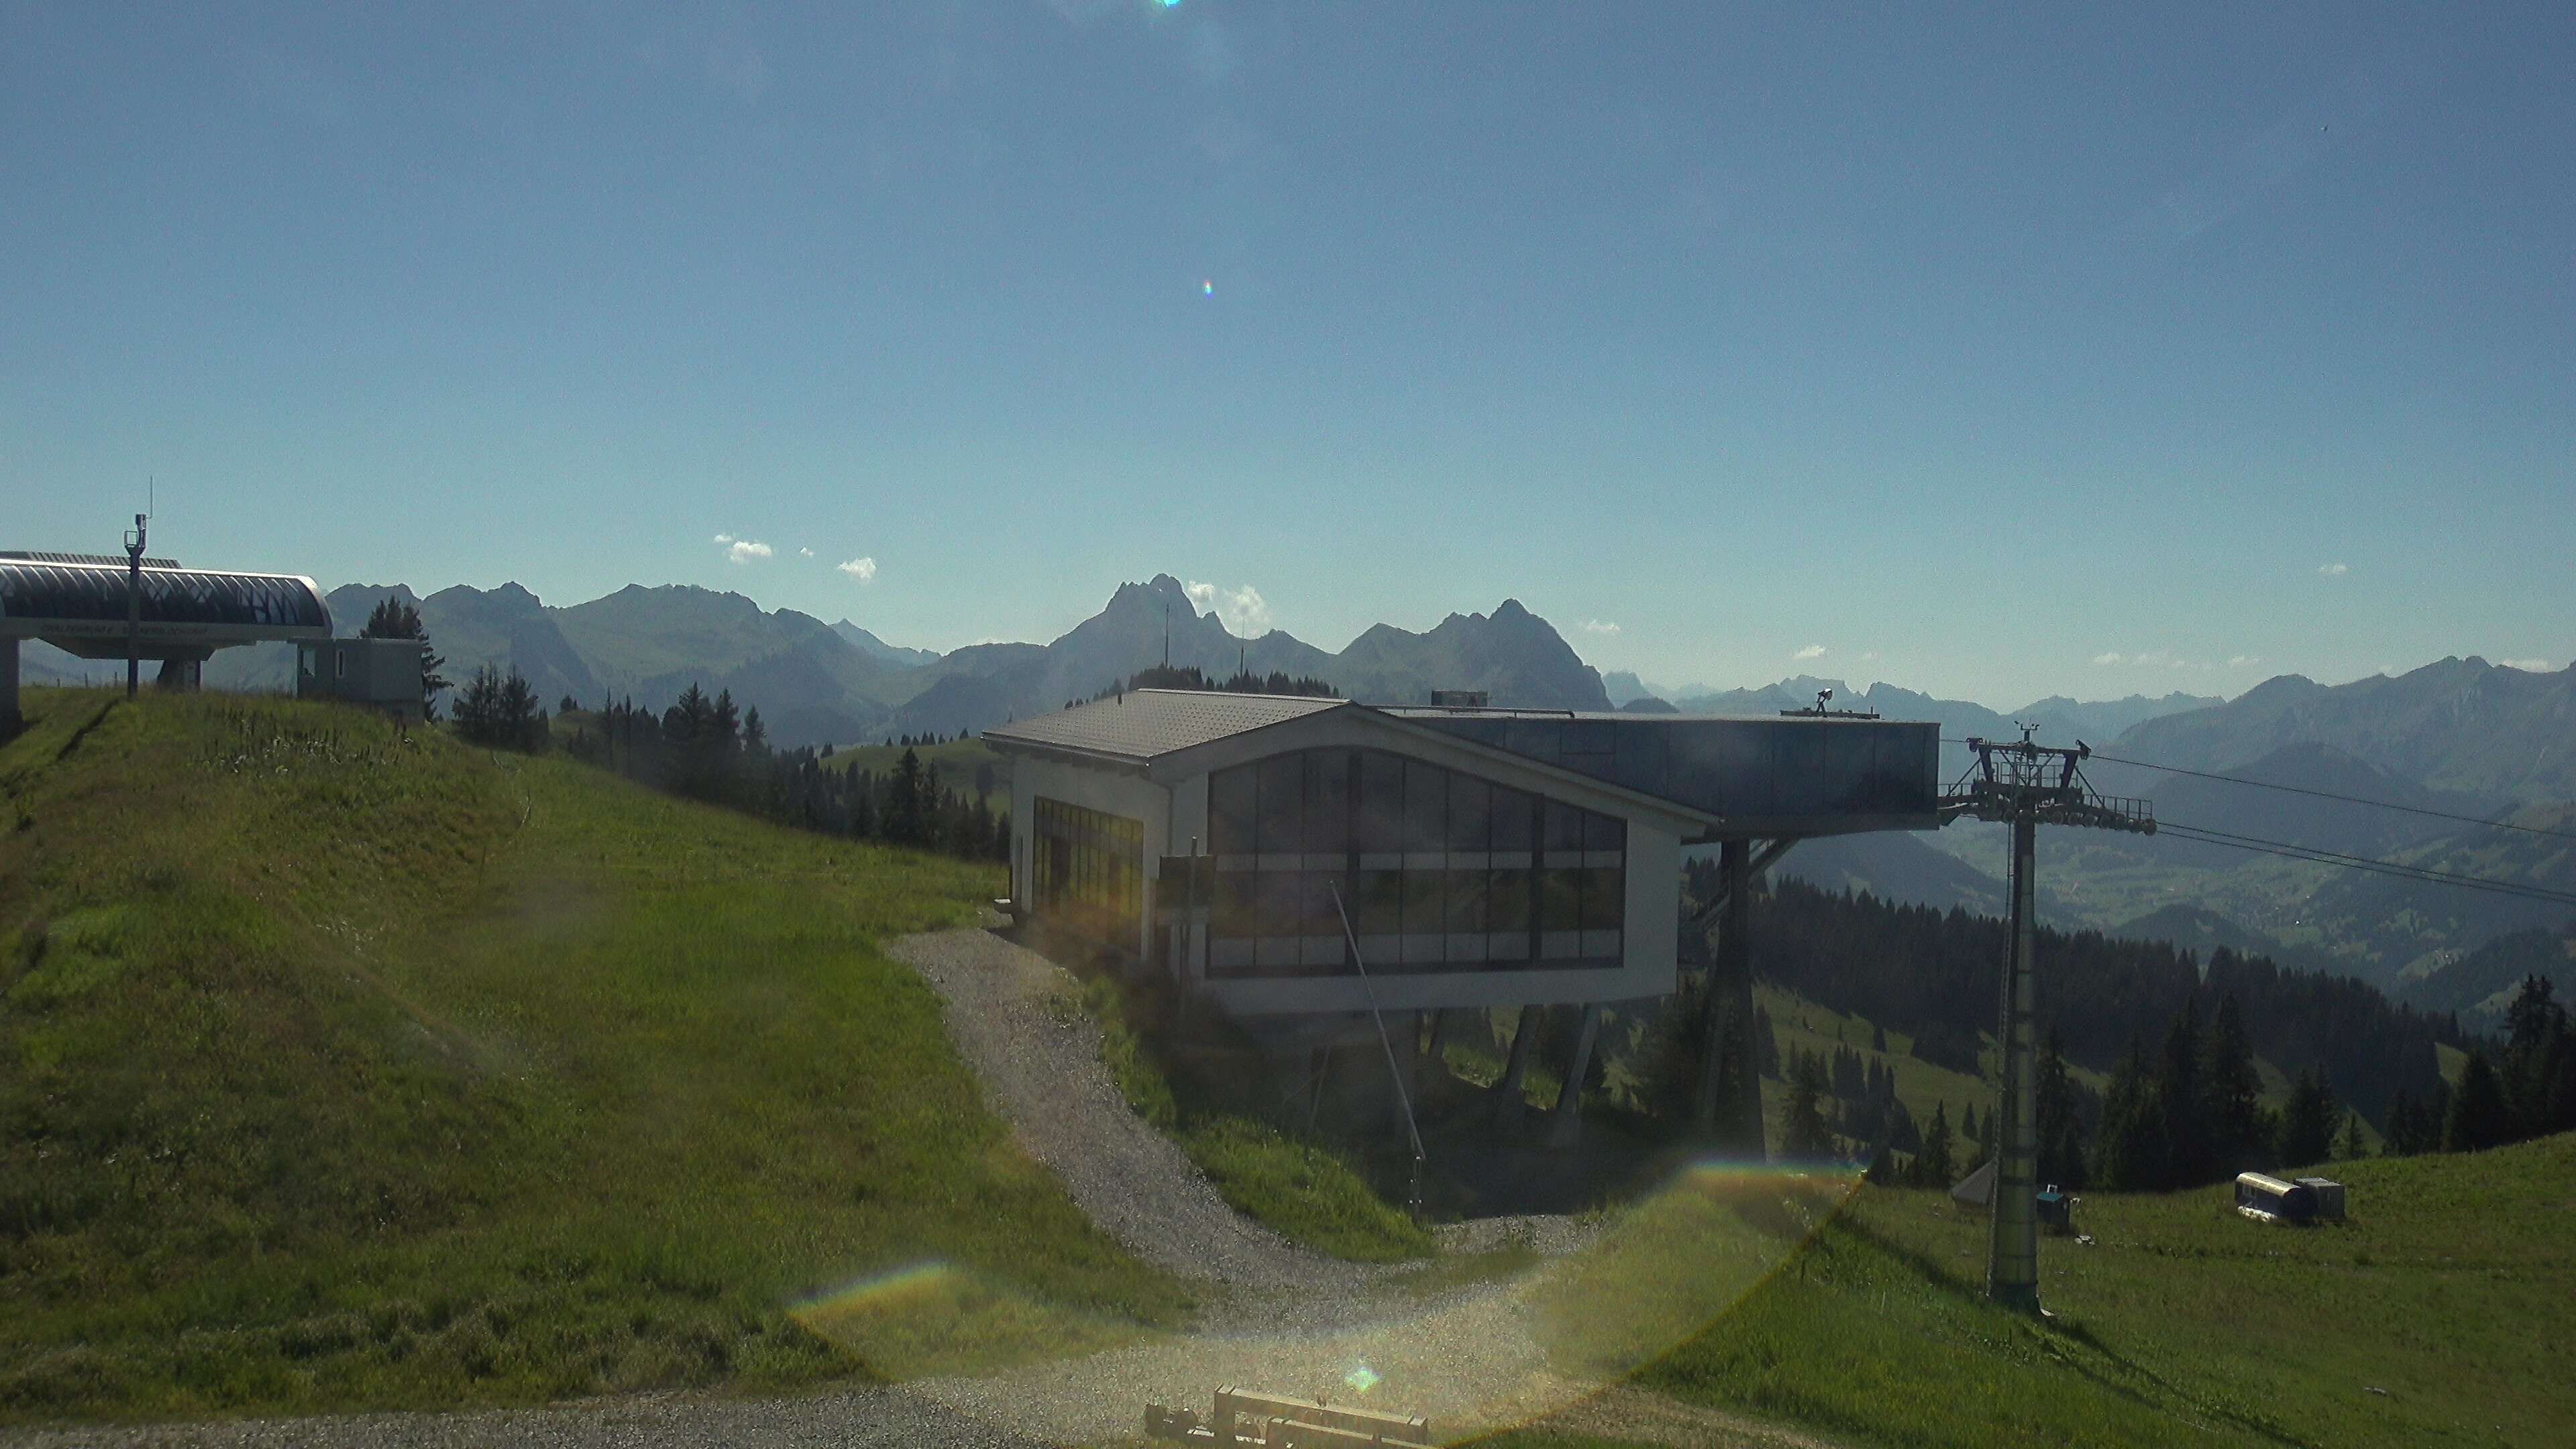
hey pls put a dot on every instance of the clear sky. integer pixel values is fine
(2087, 350)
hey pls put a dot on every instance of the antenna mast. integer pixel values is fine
(2026, 785)
(134, 603)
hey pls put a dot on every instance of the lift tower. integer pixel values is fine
(2026, 785)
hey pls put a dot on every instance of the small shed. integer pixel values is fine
(2329, 1195)
(385, 673)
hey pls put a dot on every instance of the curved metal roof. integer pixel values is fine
(60, 602)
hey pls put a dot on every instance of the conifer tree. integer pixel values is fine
(1934, 1164)
(2479, 1117)
(2352, 1146)
(2232, 1095)
(2133, 1152)
(2307, 1125)
(1805, 1137)
(2178, 1084)
(2061, 1132)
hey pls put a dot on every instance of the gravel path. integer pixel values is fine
(850, 1419)
(1041, 1069)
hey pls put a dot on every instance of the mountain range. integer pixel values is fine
(2456, 742)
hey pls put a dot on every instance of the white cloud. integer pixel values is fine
(1243, 610)
(2334, 570)
(1599, 626)
(2108, 657)
(2244, 661)
(2527, 666)
(743, 550)
(723, 538)
(804, 553)
(1869, 658)
(1812, 651)
(862, 569)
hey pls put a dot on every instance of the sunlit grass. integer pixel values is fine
(339, 1068)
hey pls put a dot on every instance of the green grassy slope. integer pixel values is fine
(2439, 1315)
(955, 760)
(339, 1069)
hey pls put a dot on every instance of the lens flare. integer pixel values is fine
(1207, 288)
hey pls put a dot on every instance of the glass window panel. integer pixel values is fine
(1514, 815)
(1466, 901)
(1560, 899)
(1605, 899)
(1507, 900)
(1328, 801)
(1601, 947)
(1425, 950)
(1281, 904)
(1471, 811)
(1230, 799)
(1425, 891)
(1275, 953)
(1564, 829)
(1560, 945)
(1380, 821)
(1229, 956)
(1604, 832)
(1234, 904)
(1283, 803)
(1426, 805)
(1381, 903)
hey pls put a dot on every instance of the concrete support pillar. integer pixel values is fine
(1734, 966)
(1507, 1092)
(2012, 1262)
(1567, 1122)
(9, 716)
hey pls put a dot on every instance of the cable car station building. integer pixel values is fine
(1296, 861)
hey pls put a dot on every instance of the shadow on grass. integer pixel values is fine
(1967, 1295)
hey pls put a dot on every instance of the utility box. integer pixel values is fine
(2329, 1197)
(382, 673)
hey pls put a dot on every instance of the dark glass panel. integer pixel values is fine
(1507, 901)
(1604, 832)
(1564, 830)
(1328, 801)
(1283, 803)
(1560, 899)
(1426, 805)
(1381, 903)
(1515, 816)
(1467, 890)
(1425, 894)
(1604, 899)
(1236, 908)
(1282, 904)
(1471, 810)
(1230, 801)
(1380, 822)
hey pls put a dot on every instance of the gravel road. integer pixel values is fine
(1280, 1316)
(1041, 1070)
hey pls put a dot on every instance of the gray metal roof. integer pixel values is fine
(114, 561)
(1145, 724)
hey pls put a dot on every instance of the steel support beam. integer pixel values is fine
(2012, 1259)
(1567, 1123)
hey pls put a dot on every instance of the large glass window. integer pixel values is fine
(1440, 870)
(1090, 868)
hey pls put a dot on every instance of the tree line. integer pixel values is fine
(1933, 975)
(706, 749)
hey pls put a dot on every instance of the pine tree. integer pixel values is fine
(2178, 1085)
(2307, 1125)
(1878, 1039)
(1805, 1137)
(2232, 1094)
(1766, 1042)
(2479, 1117)
(2133, 1151)
(2061, 1130)
(1933, 1164)
(906, 811)
(2353, 1147)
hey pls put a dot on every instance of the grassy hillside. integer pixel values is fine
(342, 1068)
(2438, 1315)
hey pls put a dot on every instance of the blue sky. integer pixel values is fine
(1993, 355)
